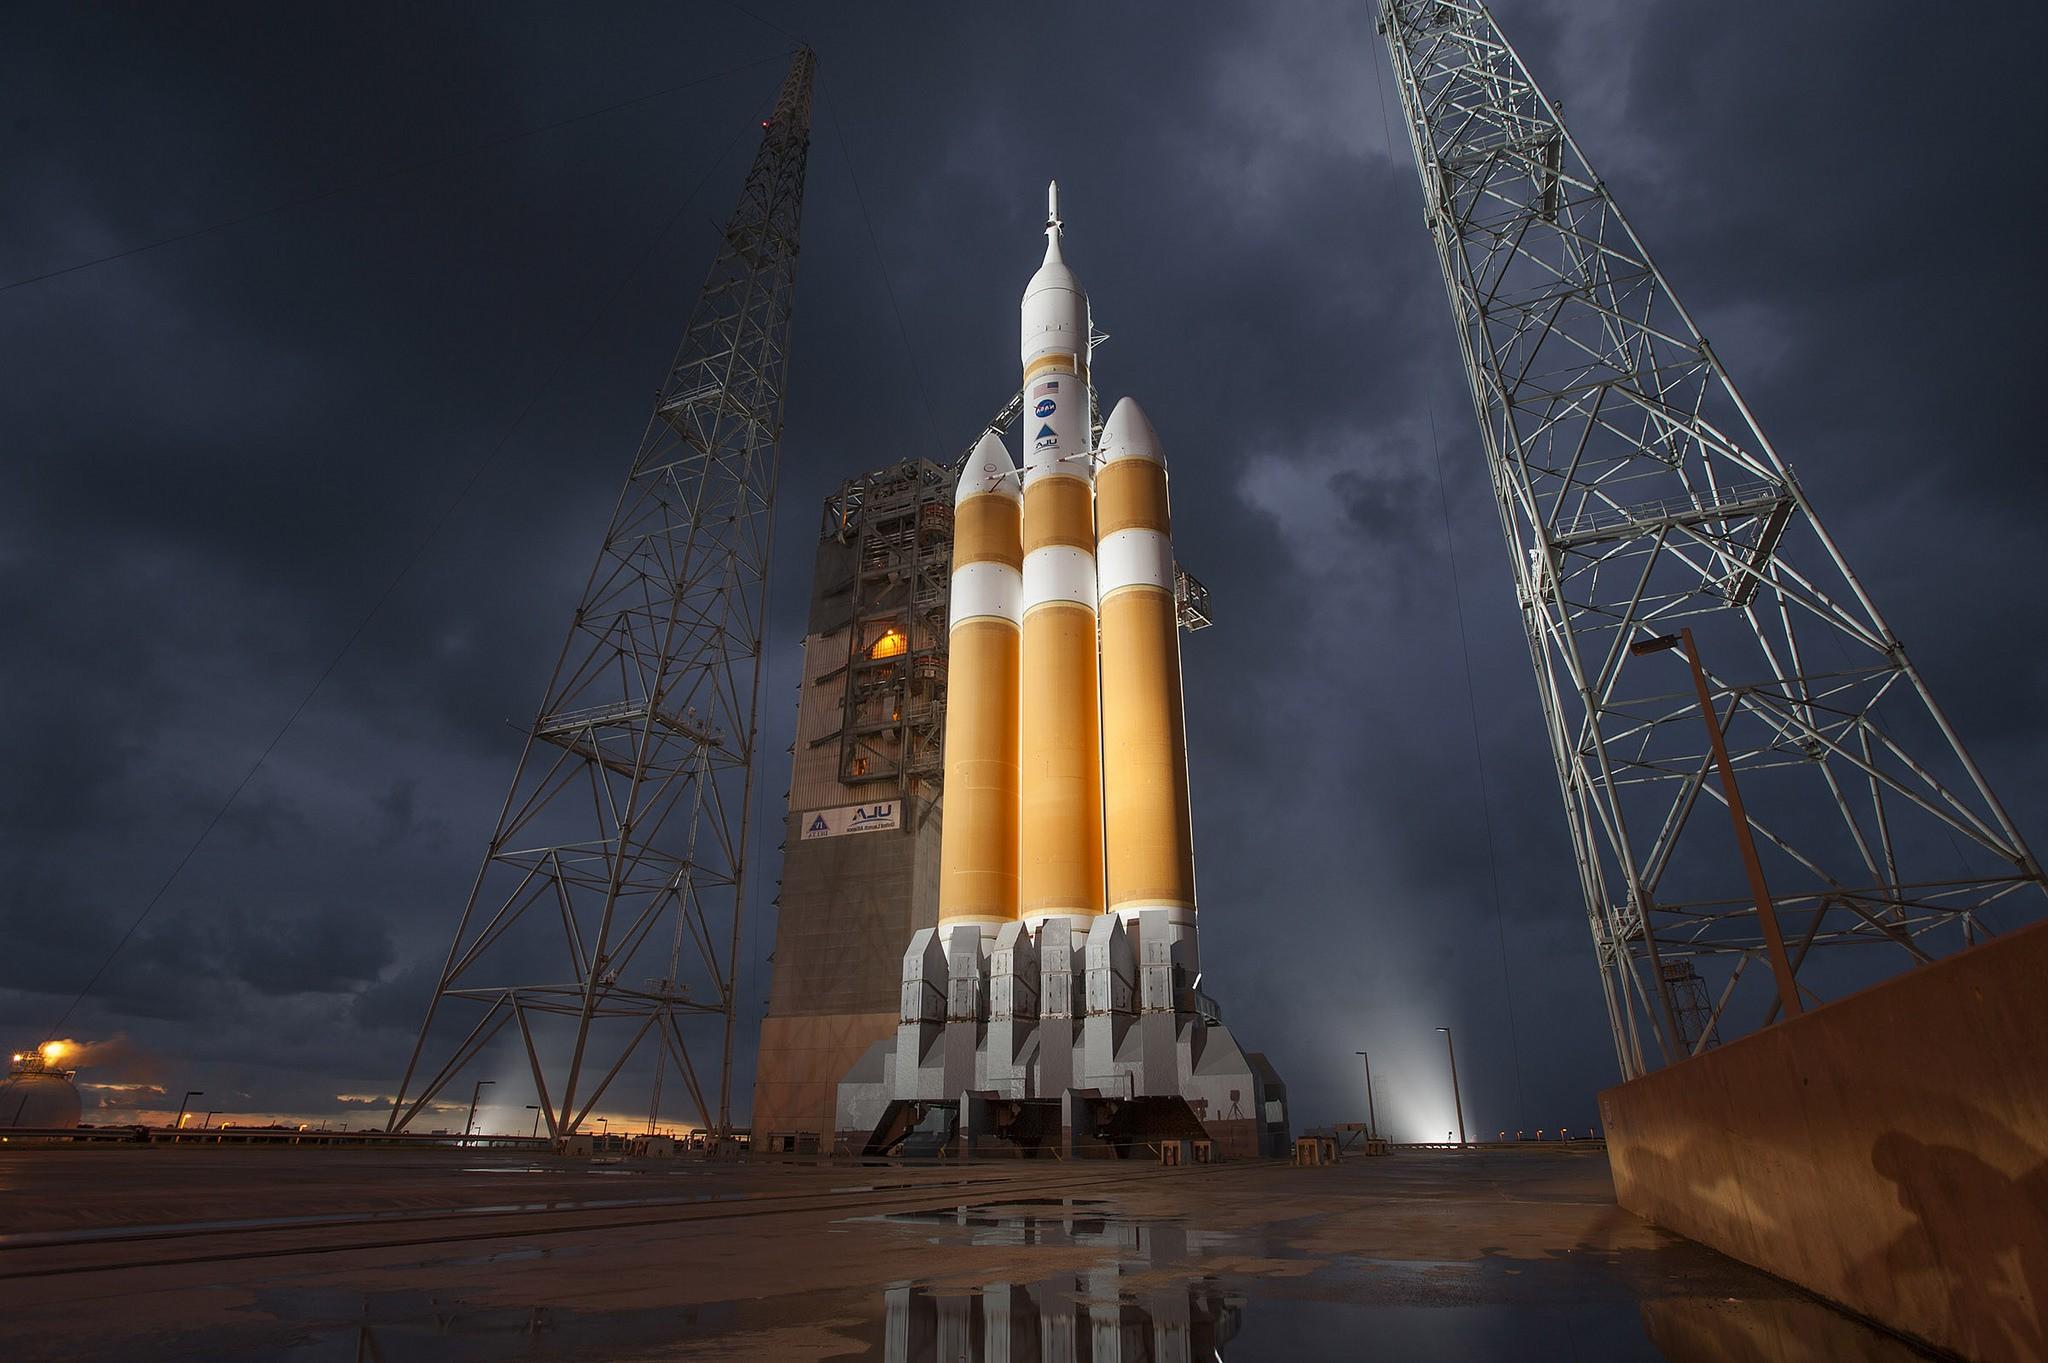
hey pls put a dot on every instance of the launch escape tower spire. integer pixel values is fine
(606, 915)
(1640, 498)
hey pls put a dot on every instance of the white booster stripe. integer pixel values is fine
(1059, 572)
(1136, 558)
(986, 589)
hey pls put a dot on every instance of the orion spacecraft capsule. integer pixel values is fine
(1060, 867)
(978, 850)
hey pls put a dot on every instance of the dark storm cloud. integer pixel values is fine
(219, 453)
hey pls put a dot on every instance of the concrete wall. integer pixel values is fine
(1888, 1151)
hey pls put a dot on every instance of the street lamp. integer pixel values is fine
(474, 1094)
(207, 1118)
(1372, 1122)
(1455, 1096)
(1760, 891)
(190, 1094)
(534, 1108)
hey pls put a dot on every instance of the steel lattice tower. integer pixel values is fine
(1640, 499)
(609, 903)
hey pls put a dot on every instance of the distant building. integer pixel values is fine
(860, 862)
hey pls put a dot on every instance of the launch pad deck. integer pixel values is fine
(243, 1254)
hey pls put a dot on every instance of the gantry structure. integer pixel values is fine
(1766, 803)
(897, 524)
(605, 919)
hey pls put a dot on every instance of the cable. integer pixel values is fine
(909, 354)
(376, 180)
(1386, 120)
(412, 561)
(1479, 761)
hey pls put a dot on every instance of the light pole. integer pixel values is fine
(474, 1094)
(1760, 891)
(1372, 1121)
(604, 1129)
(207, 1118)
(534, 1108)
(1455, 1096)
(190, 1094)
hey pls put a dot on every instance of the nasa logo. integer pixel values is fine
(1045, 408)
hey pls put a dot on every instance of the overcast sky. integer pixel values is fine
(217, 454)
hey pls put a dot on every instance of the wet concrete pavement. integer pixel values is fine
(308, 1254)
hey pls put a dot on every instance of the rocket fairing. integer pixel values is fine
(1147, 829)
(978, 849)
(1061, 862)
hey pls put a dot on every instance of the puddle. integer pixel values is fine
(1101, 1315)
(1088, 1223)
(1141, 1290)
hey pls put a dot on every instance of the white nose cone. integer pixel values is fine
(1128, 434)
(990, 469)
(1055, 310)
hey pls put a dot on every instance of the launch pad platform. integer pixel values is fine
(1052, 1040)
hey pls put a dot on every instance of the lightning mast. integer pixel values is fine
(1641, 500)
(607, 912)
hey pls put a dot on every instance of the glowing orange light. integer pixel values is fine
(892, 644)
(53, 1049)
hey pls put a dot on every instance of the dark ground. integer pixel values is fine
(243, 1254)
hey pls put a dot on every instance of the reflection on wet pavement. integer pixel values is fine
(1407, 1260)
(1066, 1318)
(1152, 1299)
(1147, 1290)
(1136, 1304)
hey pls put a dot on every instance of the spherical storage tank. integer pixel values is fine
(33, 1095)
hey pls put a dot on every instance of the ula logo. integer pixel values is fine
(865, 815)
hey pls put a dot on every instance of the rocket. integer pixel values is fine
(1061, 992)
(1066, 749)
(1060, 865)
